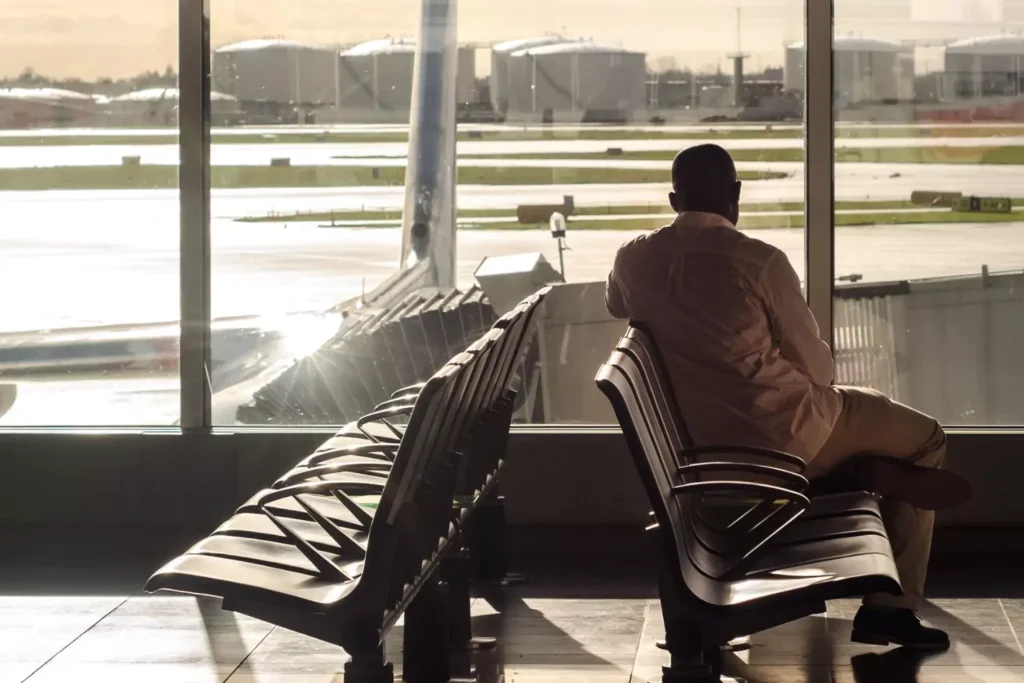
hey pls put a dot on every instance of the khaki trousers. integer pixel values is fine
(872, 423)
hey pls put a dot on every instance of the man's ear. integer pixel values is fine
(739, 187)
(673, 200)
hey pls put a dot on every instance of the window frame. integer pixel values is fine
(195, 197)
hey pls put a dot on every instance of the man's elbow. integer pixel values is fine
(615, 309)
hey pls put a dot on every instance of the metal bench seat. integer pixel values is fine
(348, 540)
(258, 526)
(274, 553)
(344, 585)
(718, 580)
(848, 513)
(241, 582)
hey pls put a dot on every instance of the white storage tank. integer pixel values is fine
(377, 75)
(500, 53)
(866, 70)
(586, 80)
(159, 107)
(985, 66)
(277, 72)
(46, 107)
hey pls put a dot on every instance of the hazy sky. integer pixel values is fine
(90, 38)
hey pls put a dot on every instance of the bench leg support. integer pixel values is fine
(426, 657)
(369, 667)
(487, 543)
(455, 574)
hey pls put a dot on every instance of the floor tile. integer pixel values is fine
(159, 639)
(35, 629)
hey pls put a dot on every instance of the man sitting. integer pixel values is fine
(749, 368)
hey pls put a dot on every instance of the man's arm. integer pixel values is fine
(793, 325)
(613, 298)
(614, 292)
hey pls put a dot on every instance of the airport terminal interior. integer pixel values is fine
(307, 373)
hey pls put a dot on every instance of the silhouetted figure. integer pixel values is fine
(749, 368)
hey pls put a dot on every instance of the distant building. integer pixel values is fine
(277, 74)
(576, 81)
(375, 79)
(500, 53)
(866, 70)
(159, 107)
(984, 67)
(45, 108)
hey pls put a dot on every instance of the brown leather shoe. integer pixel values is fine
(926, 488)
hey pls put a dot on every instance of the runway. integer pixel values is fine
(332, 153)
(67, 275)
(95, 258)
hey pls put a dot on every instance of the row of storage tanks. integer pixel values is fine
(529, 76)
(870, 70)
(375, 75)
(57, 107)
(533, 75)
(557, 74)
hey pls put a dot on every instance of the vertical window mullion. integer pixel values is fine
(819, 170)
(194, 188)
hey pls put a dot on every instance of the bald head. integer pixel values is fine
(704, 179)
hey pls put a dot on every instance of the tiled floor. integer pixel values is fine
(546, 634)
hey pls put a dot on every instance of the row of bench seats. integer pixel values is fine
(352, 536)
(778, 560)
(378, 351)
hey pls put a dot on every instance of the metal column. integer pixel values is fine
(819, 170)
(428, 222)
(194, 198)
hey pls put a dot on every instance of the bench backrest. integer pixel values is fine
(413, 518)
(764, 520)
(622, 383)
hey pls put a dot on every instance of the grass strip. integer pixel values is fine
(578, 212)
(1011, 154)
(795, 220)
(234, 177)
(723, 131)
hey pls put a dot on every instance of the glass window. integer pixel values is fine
(929, 249)
(562, 107)
(89, 234)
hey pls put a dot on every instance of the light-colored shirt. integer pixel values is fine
(741, 346)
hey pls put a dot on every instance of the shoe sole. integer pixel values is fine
(866, 638)
(926, 488)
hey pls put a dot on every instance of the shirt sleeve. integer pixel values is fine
(794, 328)
(613, 298)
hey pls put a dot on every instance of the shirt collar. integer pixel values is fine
(701, 219)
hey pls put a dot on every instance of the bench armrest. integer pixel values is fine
(381, 470)
(798, 481)
(369, 450)
(396, 401)
(722, 486)
(759, 537)
(325, 568)
(410, 390)
(777, 456)
(381, 416)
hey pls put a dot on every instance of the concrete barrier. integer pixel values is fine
(533, 214)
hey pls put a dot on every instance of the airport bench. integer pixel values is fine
(768, 565)
(353, 537)
(858, 510)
